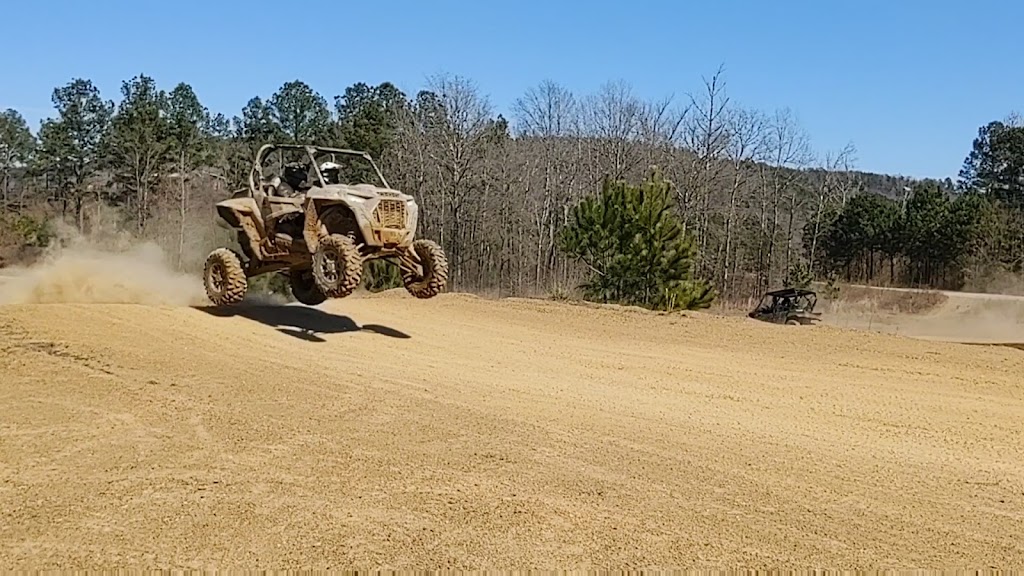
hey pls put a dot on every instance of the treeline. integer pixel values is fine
(971, 237)
(759, 205)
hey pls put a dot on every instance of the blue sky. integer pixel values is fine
(907, 81)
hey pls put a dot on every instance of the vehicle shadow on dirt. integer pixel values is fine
(302, 322)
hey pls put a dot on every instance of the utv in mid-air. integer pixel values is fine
(300, 217)
(791, 306)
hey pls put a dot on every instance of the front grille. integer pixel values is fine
(390, 213)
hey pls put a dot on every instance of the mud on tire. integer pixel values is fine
(224, 277)
(435, 270)
(304, 287)
(337, 266)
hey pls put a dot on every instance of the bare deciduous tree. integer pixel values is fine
(498, 193)
(706, 137)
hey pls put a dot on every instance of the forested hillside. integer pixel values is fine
(761, 206)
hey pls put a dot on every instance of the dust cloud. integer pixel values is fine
(108, 269)
(972, 318)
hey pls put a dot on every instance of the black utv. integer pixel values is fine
(787, 306)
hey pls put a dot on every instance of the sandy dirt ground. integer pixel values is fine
(387, 432)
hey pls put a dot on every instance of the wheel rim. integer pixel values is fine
(217, 277)
(425, 266)
(330, 265)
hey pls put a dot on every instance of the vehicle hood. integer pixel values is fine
(366, 191)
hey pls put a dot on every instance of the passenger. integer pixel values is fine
(331, 172)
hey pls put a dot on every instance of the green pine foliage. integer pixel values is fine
(799, 276)
(934, 238)
(380, 275)
(635, 247)
(271, 284)
(29, 231)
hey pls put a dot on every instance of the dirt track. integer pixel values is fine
(460, 432)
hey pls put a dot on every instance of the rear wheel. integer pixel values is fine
(337, 266)
(435, 270)
(304, 287)
(224, 277)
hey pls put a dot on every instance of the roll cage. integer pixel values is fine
(256, 175)
(787, 300)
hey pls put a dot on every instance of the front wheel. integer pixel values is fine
(337, 266)
(224, 277)
(435, 270)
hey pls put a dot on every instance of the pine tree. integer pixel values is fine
(636, 247)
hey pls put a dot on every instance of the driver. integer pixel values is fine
(295, 174)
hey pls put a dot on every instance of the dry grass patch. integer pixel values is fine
(891, 301)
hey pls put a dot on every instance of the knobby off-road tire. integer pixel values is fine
(224, 277)
(337, 266)
(435, 270)
(304, 287)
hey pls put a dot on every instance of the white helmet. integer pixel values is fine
(331, 172)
